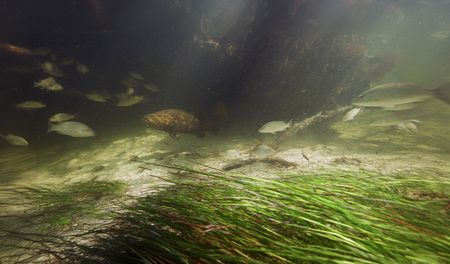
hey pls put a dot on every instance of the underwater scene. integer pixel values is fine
(218, 131)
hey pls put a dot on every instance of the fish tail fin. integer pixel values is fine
(442, 92)
(216, 116)
(200, 133)
(51, 127)
(208, 126)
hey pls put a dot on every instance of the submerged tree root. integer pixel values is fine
(299, 126)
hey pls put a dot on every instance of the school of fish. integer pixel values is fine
(53, 69)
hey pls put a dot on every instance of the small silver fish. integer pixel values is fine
(67, 61)
(130, 82)
(130, 91)
(97, 97)
(52, 69)
(151, 87)
(136, 76)
(129, 100)
(45, 82)
(441, 35)
(15, 140)
(408, 126)
(83, 69)
(350, 115)
(70, 128)
(30, 105)
(42, 51)
(49, 84)
(55, 88)
(273, 127)
(61, 117)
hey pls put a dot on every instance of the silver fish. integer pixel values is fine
(273, 127)
(67, 61)
(42, 51)
(97, 97)
(55, 88)
(130, 82)
(136, 76)
(52, 69)
(151, 87)
(130, 91)
(49, 84)
(15, 140)
(408, 126)
(129, 100)
(83, 69)
(441, 35)
(45, 82)
(61, 117)
(30, 105)
(73, 129)
(392, 94)
(350, 115)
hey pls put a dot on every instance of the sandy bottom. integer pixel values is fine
(333, 145)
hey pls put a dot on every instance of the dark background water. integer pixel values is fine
(264, 59)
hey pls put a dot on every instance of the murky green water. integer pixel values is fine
(150, 94)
